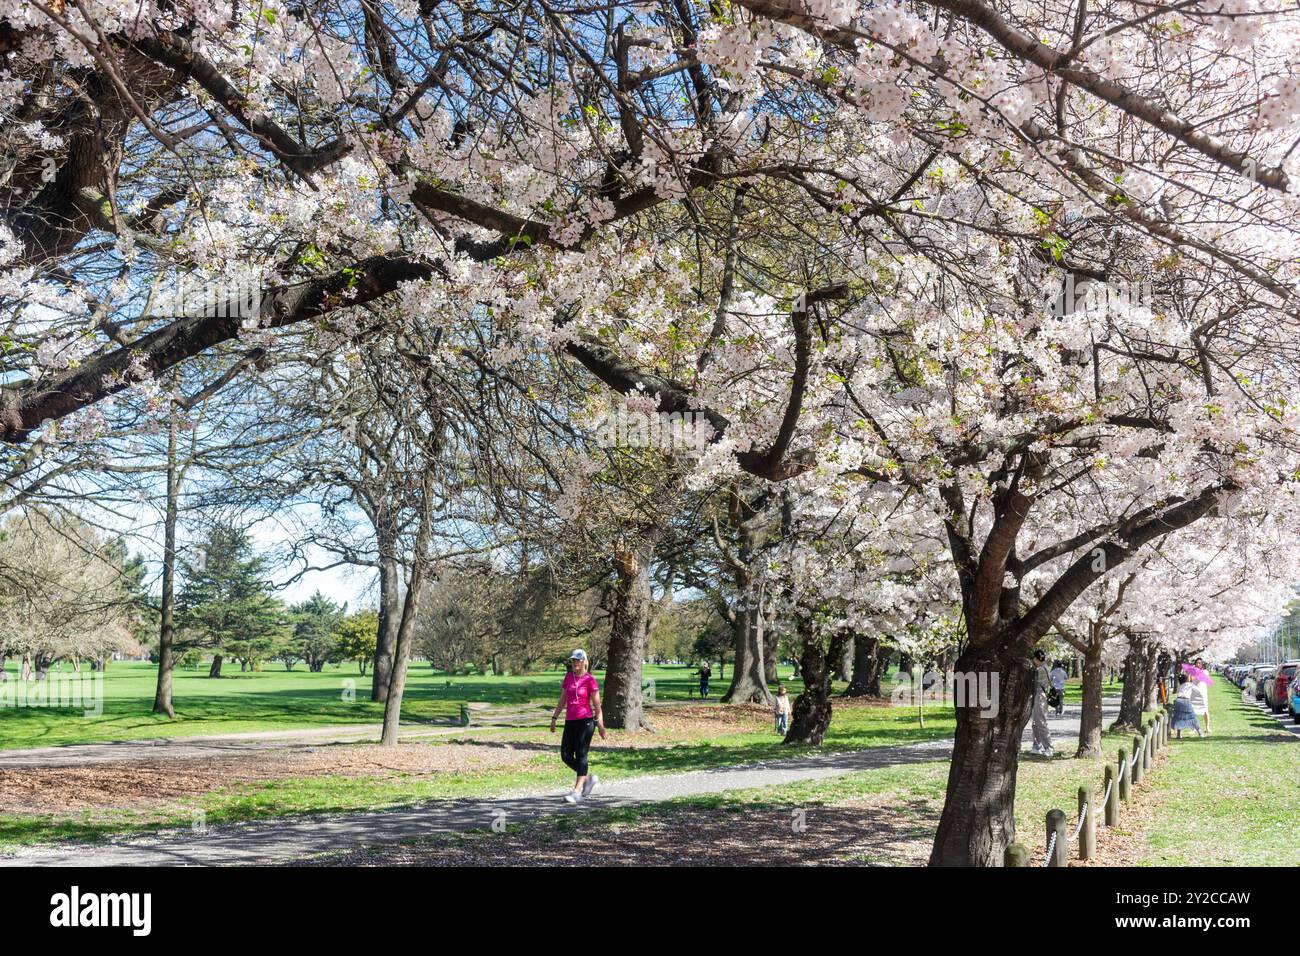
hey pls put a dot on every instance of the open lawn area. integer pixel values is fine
(275, 699)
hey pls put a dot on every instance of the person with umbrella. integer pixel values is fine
(1201, 680)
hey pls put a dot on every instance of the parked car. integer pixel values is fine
(1275, 687)
(1293, 699)
(1256, 681)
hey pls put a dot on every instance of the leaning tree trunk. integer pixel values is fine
(748, 673)
(389, 614)
(215, 669)
(868, 665)
(978, 819)
(1130, 703)
(1090, 718)
(811, 714)
(621, 702)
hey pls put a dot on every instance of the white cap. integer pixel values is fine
(578, 655)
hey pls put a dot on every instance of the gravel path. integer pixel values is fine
(281, 841)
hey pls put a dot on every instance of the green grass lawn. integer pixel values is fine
(275, 699)
(1230, 799)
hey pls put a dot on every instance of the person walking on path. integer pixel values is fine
(1184, 708)
(705, 674)
(1058, 677)
(781, 707)
(1042, 681)
(580, 701)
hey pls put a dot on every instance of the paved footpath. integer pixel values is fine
(281, 841)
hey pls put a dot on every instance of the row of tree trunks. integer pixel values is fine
(622, 702)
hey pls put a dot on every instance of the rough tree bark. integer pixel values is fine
(1130, 704)
(869, 657)
(748, 671)
(843, 662)
(986, 752)
(811, 714)
(215, 669)
(1090, 718)
(630, 621)
(389, 611)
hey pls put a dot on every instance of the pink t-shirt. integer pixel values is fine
(577, 696)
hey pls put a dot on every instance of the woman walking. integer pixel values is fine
(1184, 711)
(580, 701)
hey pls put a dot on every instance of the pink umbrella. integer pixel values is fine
(1196, 673)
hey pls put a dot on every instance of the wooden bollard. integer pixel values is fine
(1137, 763)
(1112, 796)
(1125, 780)
(1016, 854)
(1150, 753)
(1060, 851)
(1088, 835)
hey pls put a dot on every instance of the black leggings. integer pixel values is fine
(574, 744)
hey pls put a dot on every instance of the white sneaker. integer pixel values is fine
(589, 785)
(573, 796)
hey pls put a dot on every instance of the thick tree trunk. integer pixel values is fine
(868, 665)
(770, 640)
(812, 710)
(215, 669)
(844, 661)
(1130, 702)
(748, 673)
(621, 701)
(978, 818)
(1090, 720)
(389, 612)
(162, 698)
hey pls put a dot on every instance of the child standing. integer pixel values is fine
(781, 707)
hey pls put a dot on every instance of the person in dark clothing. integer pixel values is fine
(705, 674)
